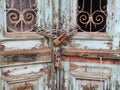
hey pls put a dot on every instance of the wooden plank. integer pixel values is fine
(41, 13)
(56, 14)
(48, 13)
(2, 18)
(91, 51)
(65, 13)
(110, 29)
(90, 60)
(25, 52)
(116, 24)
(73, 7)
(92, 75)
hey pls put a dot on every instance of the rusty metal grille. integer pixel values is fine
(91, 15)
(21, 15)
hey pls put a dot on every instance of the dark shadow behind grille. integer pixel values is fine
(91, 15)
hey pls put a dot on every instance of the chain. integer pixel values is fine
(46, 31)
(58, 35)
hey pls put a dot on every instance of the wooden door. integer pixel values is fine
(90, 61)
(25, 56)
(86, 60)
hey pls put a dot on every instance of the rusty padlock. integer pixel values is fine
(58, 64)
(59, 39)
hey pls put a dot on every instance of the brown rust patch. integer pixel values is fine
(23, 86)
(7, 77)
(19, 58)
(41, 57)
(74, 66)
(92, 74)
(63, 82)
(90, 60)
(109, 44)
(25, 51)
(2, 47)
(90, 51)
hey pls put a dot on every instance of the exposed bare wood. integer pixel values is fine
(89, 51)
(20, 78)
(28, 35)
(91, 74)
(26, 51)
(75, 66)
(92, 35)
(90, 60)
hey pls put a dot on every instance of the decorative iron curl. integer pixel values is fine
(13, 16)
(29, 16)
(83, 17)
(99, 17)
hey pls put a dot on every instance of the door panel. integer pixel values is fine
(26, 77)
(25, 58)
(88, 76)
(89, 60)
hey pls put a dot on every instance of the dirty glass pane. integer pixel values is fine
(21, 15)
(91, 15)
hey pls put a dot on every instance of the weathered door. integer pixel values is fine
(91, 59)
(59, 45)
(25, 56)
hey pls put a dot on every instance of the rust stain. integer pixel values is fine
(49, 76)
(70, 19)
(23, 86)
(109, 44)
(89, 87)
(6, 73)
(63, 82)
(41, 57)
(25, 51)
(2, 47)
(7, 77)
(91, 51)
(90, 60)
(19, 58)
(74, 66)
(103, 75)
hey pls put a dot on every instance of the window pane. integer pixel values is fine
(91, 15)
(21, 15)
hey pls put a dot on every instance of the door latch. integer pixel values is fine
(58, 63)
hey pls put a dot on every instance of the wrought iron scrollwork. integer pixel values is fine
(91, 15)
(21, 15)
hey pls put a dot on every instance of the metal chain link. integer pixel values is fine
(55, 32)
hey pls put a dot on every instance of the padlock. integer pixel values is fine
(57, 42)
(58, 64)
(61, 38)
